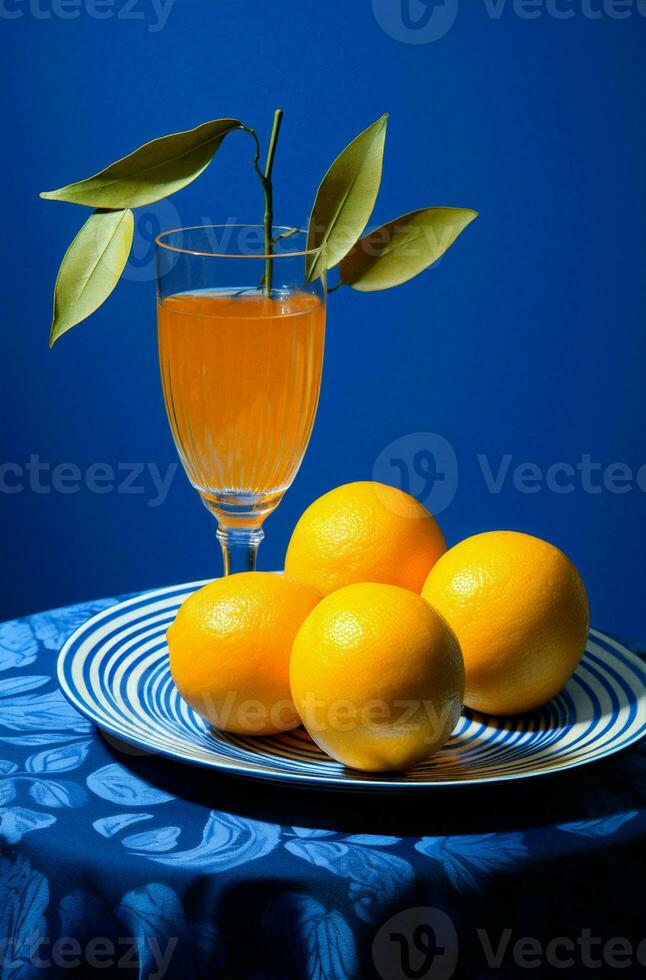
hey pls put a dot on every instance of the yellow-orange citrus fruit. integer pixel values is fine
(377, 677)
(230, 647)
(364, 532)
(520, 611)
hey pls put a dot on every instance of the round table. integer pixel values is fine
(132, 865)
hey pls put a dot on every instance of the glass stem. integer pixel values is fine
(239, 548)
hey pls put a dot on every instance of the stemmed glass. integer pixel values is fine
(241, 338)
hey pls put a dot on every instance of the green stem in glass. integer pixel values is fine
(269, 199)
(265, 180)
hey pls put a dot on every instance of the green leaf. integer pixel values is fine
(91, 268)
(403, 248)
(156, 170)
(346, 197)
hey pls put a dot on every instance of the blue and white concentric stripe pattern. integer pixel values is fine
(114, 670)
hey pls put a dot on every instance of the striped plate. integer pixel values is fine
(114, 670)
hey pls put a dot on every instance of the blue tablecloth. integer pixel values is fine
(125, 864)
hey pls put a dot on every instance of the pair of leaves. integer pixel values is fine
(345, 199)
(389, 255)
(96, 258)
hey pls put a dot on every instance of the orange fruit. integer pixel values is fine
(364, 532)
(377, 677)
(520, 611)
(230, 646)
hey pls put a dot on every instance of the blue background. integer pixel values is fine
(527, 339)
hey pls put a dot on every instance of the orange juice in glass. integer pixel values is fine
(241, 369)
